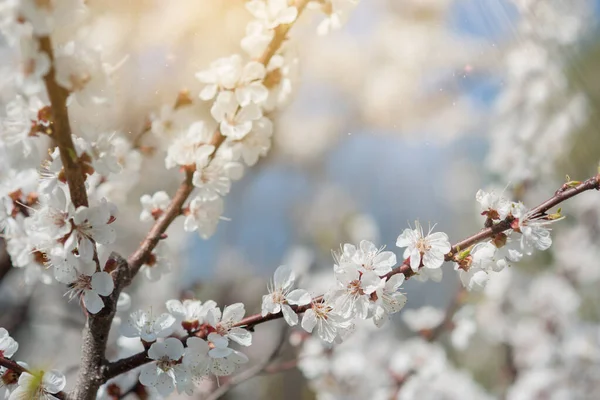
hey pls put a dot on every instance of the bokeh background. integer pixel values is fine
(401, 115)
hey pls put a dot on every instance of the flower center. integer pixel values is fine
(422, 245)
(165, 363)
(354, 288)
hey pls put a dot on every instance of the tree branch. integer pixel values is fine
(129, 363)
(62, 130)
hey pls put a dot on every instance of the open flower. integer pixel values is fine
(144, 325)
(157, 263)
(473, 270)
(92, 224)
(212, 356)
(235, 121)
(190, 313)
(203, 216)
(429, 249)
(40, 385)
(167, 373)
(224, 323)
(272, 13)
(493, 206)
(352, 298)
(281, 296)
(322, 316)
(191, 147)
(389, 299)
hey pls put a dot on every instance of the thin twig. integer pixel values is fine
(62, 130)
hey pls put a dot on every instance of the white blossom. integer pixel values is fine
(214, 178)
(203, 216)
(473, 270)
(493, 206)
(212, 356)
(190, 313)
(144, 325)
(232, 75)
(167, 372)
(92, 225)
(281, 296)
(255, 144)
(257, 38)
(40, 385)
(322, 316)
(430, 248)
(389, 299)
(235, 121)
(191, 147)
(224, 323)
(353, 296)
(154, 206)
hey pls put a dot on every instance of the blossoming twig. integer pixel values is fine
(127, 364)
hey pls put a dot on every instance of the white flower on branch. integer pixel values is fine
(203, 216)
(154, 206)
(370, 258)
(493, 206)
(214, 177)
(191, 148)
(535, 234)
(92, 225)
(281, 296)
(232, 75)
(255, 144)
(212, 356)
(322, 316)
(224, 323)
(80, 70)
(19, 128)
(430, 248)
(190, 313)
(281, 71)
(474, 268)
(39, 385)
(389, 299)
(353, 296)
(272, 13)
(144, 325)
(8, 345)
(235, 121)
(167, 372)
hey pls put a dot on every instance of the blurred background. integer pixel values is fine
(401, 115)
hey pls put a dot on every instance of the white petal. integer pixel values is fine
(284, 277)
(93, 302)
(240, 336)
(298, 297)
(309, 320)
(289, 315)
(103, 283)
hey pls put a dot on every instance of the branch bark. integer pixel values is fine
(62, 130)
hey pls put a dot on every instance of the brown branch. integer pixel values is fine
(13, 366)
(92, 372)
(137, 259)
(129, 363)
(62, 130)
